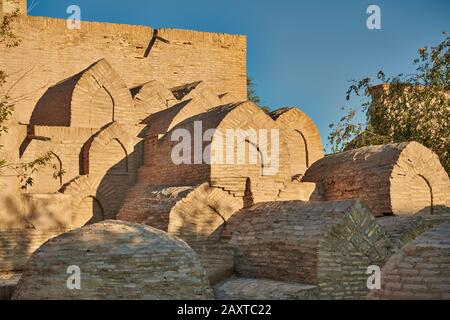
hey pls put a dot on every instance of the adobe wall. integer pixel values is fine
(50, 52)
(39, 218)
(420, 270)
(400, 178)
(114, 259)
(303, 139)
(9, 6)
(235, 288)
(326, 243)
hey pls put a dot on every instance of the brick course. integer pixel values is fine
(401, 179)
(420, 270)
(118, 260)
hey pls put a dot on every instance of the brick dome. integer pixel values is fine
(117, 260)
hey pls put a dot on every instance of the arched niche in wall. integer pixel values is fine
(108, 151)
(302, 138)
(151, 97)
(399, 178)
(90, 210)
(88, 206)
(90, 99)
(50, 176)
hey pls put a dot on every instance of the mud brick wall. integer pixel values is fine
(401, 179)
(115, 155)
(50, 52)
(26, 228)
(17, 245)
(37, 212)
(65, 143)
(232, 177)
(191, 213)
(113, 257)
(9, 6)
(329, 244)
(402, 230)
(355, 243)
(151, 205)
(263, 289)
(216, 257)
(420, 270)
(303, 139)
(92, 98)
(203, 213)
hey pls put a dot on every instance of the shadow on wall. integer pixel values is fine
(170, 276)
(30, 221)
(116, 183)
(53, 108)
(103, 196)
(223, 232)
(436, 211)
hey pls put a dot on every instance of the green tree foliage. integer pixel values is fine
(413, 107)
(253, 96)
(24, 170)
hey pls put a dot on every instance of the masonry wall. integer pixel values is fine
(151, 205)
(18, 245)
(420, 270)
(328, 244)
(9, 6)
(399, 178)
(342, 270)
(65, 143)
(50, 52)
(114, 259)
(23, 231)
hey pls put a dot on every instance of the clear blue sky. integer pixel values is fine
(300, 53)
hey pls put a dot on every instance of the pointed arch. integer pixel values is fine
(151, 97)
(59, 170)
(399, 178)
(304, 150)
(81, 189)
(90, 99)
(97, 155)
(305, 142)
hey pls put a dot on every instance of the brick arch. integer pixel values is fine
(151, 97)
(59, 168)
(45, 180)
(200, 91)
(305, 143)
(97, 146)
(193, 99)
(203, 213)
(91, 209)
(192, 108)
(420, 179)
(302, 137)
(245, 116)
(253, 156)
(80, 189)
(90, 99)
(165, 120)
(400, 178)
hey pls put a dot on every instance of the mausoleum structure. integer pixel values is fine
(159, 166)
